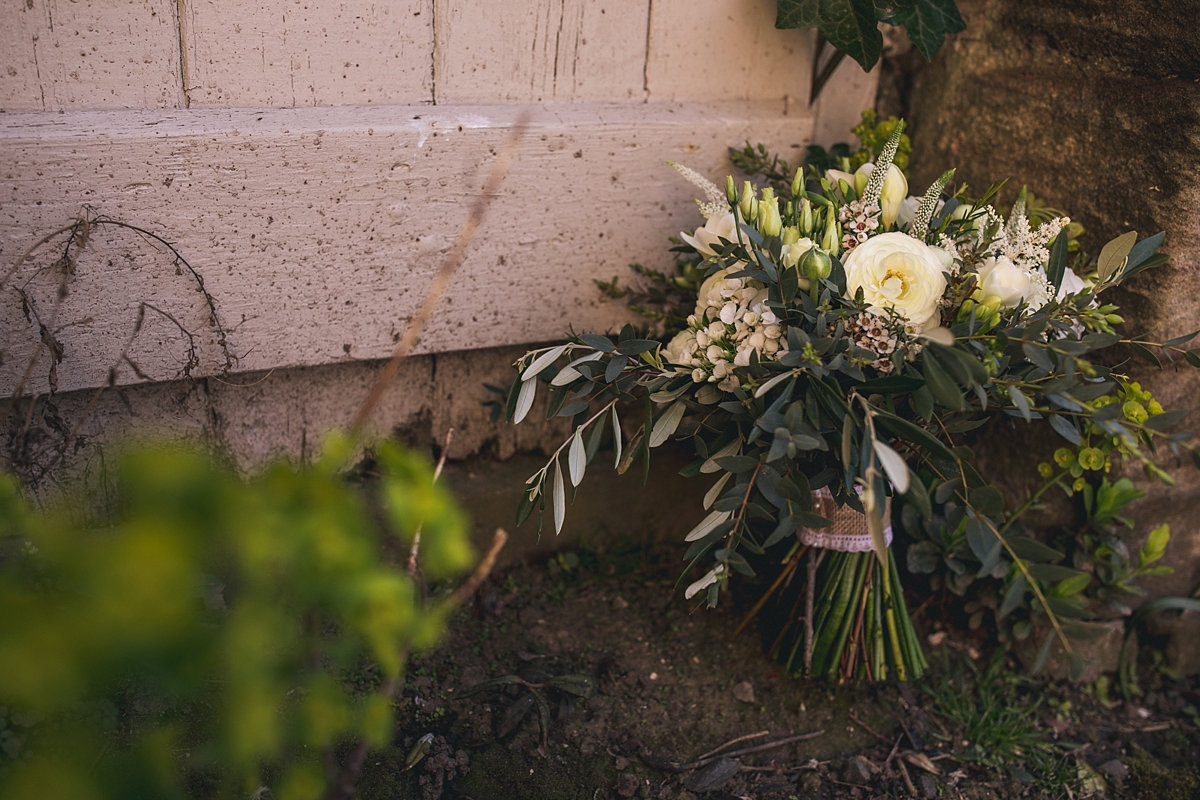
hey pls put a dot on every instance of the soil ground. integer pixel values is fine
(670, 682)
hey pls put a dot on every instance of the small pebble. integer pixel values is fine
(744, 691)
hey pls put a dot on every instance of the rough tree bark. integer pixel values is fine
(1096, 107)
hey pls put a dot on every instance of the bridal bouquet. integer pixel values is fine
(845, 336)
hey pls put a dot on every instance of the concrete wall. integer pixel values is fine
(313, 162)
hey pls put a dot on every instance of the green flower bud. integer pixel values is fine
(815, 264)
(1113, 319)
(806, 217)
(798, 182)
(748, 202)
(731, 190)
(769, 221)
(790, 236)
(832, 237)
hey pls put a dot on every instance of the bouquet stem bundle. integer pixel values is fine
(855, 625)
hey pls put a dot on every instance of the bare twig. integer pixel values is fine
(441, 281)
(857, 721)
(748, 750)
(437, 473)
(908, 784)
(464, 592)
(732, 742)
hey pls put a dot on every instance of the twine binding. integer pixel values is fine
(848, 533)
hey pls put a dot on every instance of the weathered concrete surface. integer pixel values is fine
(286, 413)
(1096, 107)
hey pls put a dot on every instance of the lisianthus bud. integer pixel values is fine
(860, 181)
(748, 202)
(798, 182)
(730, 190)
(769, 221)
(806, 217)
(790, 236)
(815, 264)
(833, 235)
(895, 189)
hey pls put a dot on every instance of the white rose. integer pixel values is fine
(1071, 284)
(1000, 277)
(722, 227)
(679, 350)
(896, 271)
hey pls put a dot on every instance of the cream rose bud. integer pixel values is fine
(894, 270)
(702, 339)
(999, 277)
(699, 376)
(1071, 284)
(722, 227)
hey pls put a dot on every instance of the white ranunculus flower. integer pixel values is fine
(896, 271)
(679, 350)
(722, 227)
(1071, 284)
(1000, 277)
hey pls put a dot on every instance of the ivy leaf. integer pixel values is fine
(927, 24)
(849, 25)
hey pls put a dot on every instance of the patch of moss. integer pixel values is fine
(1154, 780)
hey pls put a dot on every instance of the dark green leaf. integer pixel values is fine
(983, 542)
(1013, 597)
(601, 343)
(1038, 356)
(1142, 251)
(1165, 420)
(849, 25)
(578, 685)
(737, 464)
(1056, 267)
(1021, 402)
(918, 496)
(912, 433)
(632, 347)
(1052, 572)
(922, 558)
(988, 501)
(514, 714)
(1178, 340)
(1143, 352)
(891, 384)
(1065, 429)
(928, 22)
(940, 384)
(1043, 654)
(1032, 549)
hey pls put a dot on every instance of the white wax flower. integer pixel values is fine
(1000, 277)
(894, 270)
(717, 227)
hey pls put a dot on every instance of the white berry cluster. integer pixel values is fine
(732, 321)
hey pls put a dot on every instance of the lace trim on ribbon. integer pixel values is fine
(848, 533)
